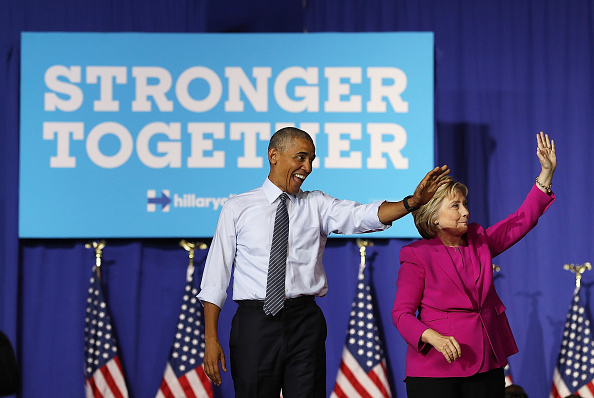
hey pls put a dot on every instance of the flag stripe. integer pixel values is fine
(116, 376)
(102, 388)
(378, 378)
(205, 381)
(366, 380)
(106, 383)
(338, 393)
(94, 390)
(172, 381)
(590, 387)
(586, 391)
(164, 391)
(346, 387)
(561, 389)
(110, 384)
(200, 382)
(353, 381)
(88, 389)
(183, 380)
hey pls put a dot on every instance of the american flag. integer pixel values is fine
(575, 365)
(103, 371)
(362, 371)
(184, 375)
(508, 376)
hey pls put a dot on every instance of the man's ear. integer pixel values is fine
(272, 155)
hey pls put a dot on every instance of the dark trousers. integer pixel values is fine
(489, 384)
(286, 351)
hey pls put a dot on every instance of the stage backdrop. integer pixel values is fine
(504, 70)
(141, 135)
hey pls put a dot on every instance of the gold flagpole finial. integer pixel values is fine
(98, 246)
(578, 269)
(363, 244)
(190, 247)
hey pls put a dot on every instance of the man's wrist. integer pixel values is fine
(407, 206)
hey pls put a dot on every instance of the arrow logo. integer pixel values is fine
(153, 200)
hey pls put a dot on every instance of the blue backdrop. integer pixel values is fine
(155, 169)
(503, 71)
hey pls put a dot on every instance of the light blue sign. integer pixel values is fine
(137, 135)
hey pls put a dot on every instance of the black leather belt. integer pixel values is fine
(292, 302)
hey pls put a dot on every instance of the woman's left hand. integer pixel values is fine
(548, 161)
(546, 152)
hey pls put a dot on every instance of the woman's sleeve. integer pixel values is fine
(507, 232)
(409, 291)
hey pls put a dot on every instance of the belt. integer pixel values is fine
(292, 302)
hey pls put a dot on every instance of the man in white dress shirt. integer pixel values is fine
(287, 350)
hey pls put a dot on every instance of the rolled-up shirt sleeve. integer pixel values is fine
(219, 261)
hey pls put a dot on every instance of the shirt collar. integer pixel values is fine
(272, 192)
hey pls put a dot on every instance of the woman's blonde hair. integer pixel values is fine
(426, 215)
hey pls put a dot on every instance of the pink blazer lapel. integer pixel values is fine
(441, 257)
(482, 263)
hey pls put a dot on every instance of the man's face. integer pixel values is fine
(290, 168)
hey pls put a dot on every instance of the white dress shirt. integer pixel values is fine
(243, 237)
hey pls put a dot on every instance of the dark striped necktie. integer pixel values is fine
(275, 285)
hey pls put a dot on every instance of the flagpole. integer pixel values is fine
(98, 246)
(578, 269)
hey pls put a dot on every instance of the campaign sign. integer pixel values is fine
(136, 135)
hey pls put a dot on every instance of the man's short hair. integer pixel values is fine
(285, 136)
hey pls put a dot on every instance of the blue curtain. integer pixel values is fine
(504, 70)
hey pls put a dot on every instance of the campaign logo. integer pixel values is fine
(183, 200)
(153, 200)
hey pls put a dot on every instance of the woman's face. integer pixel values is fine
(452, 219)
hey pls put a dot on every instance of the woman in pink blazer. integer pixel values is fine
(459, 342)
